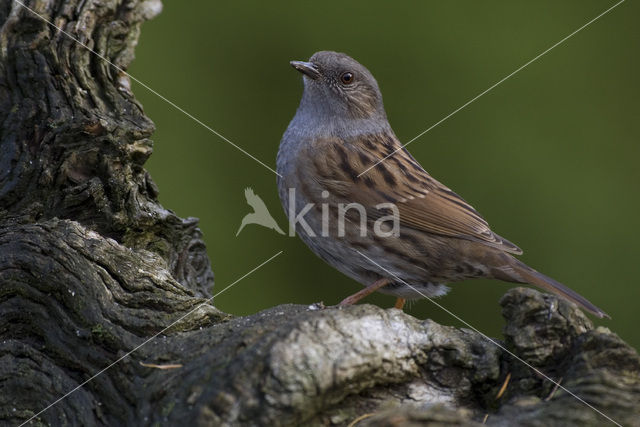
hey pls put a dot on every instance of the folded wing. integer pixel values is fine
(424, 203)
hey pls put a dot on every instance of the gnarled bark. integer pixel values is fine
(91, 266)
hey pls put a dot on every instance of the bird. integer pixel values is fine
(361, 202)
(260, 214)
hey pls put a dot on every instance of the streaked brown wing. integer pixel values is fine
(424, 203)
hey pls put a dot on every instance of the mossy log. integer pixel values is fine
(92, 267)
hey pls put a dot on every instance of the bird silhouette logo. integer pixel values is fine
(260, 214)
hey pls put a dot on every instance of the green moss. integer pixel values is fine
(167, 409)
(100, 334)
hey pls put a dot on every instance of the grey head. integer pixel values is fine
(337, 87)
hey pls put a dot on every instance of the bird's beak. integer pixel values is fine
(307, 68)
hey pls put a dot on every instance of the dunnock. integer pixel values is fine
(394, 224)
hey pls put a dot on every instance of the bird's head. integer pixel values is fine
(337, 85)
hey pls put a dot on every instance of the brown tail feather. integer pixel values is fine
(519, 272)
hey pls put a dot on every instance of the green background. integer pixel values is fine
(549, 157)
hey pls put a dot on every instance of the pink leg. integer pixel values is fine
(400, 303)
(350, 300)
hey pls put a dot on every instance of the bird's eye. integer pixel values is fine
(346, 78)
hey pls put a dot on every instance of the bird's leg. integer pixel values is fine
(366, 291)
(400, 303)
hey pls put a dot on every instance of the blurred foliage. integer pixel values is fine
(549, 157)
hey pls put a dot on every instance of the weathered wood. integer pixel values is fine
(91, 266)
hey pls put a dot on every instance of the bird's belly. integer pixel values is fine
(369, 257)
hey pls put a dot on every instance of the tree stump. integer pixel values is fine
(92, 267)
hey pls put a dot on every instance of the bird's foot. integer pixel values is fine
(352, 299)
